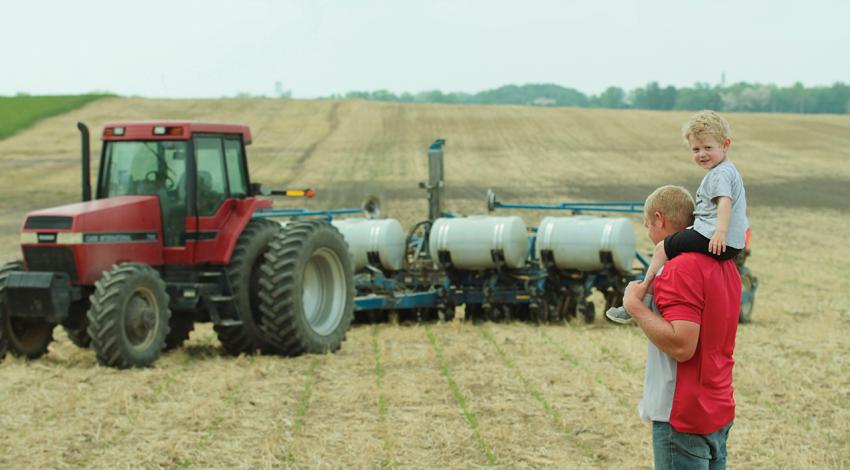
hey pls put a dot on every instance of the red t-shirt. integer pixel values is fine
(700, 289)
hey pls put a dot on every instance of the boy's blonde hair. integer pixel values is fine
(675, 202)
(704, 123)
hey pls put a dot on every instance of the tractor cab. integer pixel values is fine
(192, 168)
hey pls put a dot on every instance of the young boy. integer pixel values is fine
(720, 219)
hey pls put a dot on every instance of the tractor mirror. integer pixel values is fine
(372, 206)
(259, 189)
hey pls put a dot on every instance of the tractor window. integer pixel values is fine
(149, 168)
(235, 169)
(154, 168)
(212, 183)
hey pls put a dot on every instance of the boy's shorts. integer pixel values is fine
(691, 241)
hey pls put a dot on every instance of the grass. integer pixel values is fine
(607, 359)
(227, 402)
(147, 402)
(382, 398)
(20, 112)
(461, 399)
(303, 406)
(537, 395)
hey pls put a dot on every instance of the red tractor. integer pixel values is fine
(172, 237)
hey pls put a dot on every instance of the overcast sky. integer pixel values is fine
(215, 48)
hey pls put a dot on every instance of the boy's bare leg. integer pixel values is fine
(659, 257)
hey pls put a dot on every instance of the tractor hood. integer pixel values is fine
(115, 216)
(83, 240)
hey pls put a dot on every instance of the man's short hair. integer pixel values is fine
(707, 123)
(675, 202)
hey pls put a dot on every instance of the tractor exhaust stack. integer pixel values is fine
(84, 135)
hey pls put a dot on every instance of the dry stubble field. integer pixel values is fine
(455, 395)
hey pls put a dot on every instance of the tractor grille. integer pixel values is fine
(51, 258)
(53, 222)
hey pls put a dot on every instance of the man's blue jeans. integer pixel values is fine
(679, 450)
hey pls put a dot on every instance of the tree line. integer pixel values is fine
(744, 97)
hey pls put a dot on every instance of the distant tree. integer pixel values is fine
(358, 95)
(432, 96)
(701, 96)
(747, 97)
(737, 97)
(832, 99)
(383, 95)
(245, 95)
(654, 97)
(554, 95)
(612, 97)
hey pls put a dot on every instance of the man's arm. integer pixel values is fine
(678, 339)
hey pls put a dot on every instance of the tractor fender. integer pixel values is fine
(227, 224)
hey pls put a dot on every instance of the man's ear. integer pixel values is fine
(658, 218)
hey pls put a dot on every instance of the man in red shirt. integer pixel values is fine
(691, 320)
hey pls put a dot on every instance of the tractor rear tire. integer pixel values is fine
(129, 316)
(307, 288)
(24, 337)
(243, 273)
(179, 328)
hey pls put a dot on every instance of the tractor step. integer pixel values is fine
(221, 298)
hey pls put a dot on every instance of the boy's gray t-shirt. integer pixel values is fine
(722, 180)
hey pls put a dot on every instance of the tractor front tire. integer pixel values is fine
(243, 273)
(129, 316)
(307, 288)
(24, 337)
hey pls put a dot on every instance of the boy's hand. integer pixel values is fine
(717, 244)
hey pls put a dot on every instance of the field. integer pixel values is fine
(454, 395)
(19, 112)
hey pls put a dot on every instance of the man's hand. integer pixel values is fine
(717, 244)
(633, 297)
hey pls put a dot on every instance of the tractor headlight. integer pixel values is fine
(29, 238)
(69, 238)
